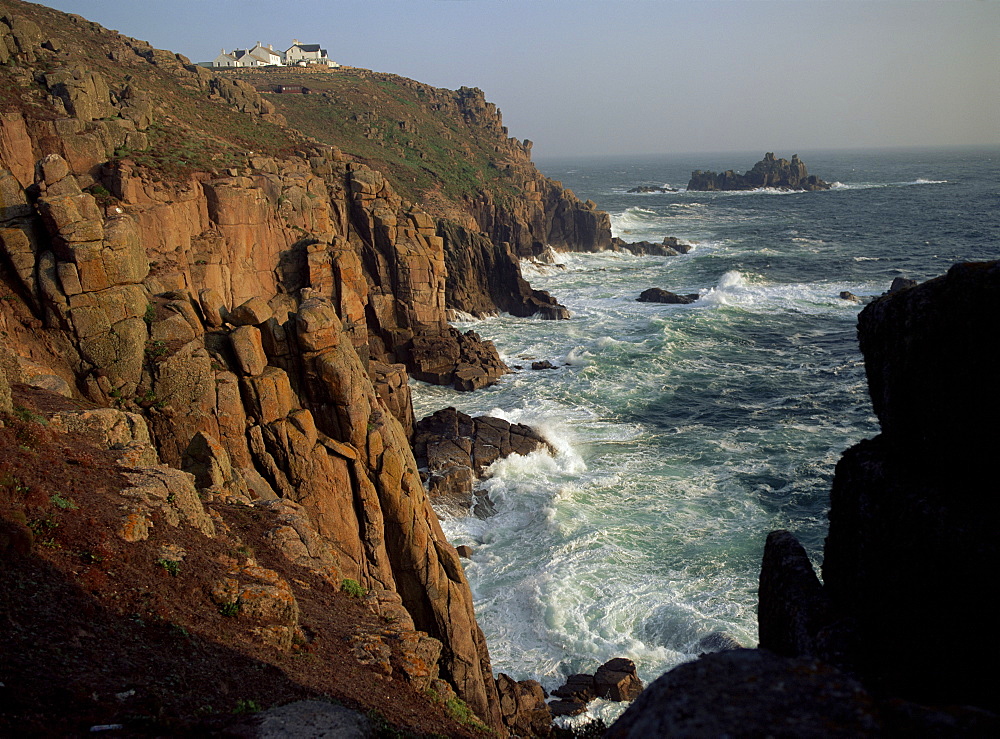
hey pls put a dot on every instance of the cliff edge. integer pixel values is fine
(254, 299)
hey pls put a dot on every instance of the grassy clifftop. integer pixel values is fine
(431, 142)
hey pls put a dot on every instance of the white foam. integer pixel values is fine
(635, 219)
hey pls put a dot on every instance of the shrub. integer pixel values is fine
(353, 588)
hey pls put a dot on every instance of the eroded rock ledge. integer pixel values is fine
(454, 449)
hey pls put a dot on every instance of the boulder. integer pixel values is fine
(523, 707)
(579, 687)
(456, 449)
(249, 349)
(616, 680)
(251, 313)
(448, 357)
(658, 295)
(901, 283)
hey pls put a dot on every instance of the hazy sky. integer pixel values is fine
(644, 76)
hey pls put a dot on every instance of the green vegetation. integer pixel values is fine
(353, 588)
(43, 530)
(397, 127)
(231, 610)
(29, 416)
(67, 504)
(171, 566)
(247, 705)
(459, 711)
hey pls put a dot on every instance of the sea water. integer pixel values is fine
(685, 433)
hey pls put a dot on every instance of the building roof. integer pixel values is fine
(310, 47)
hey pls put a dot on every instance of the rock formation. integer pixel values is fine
(768, 172)
(671, 246)
(258, 311)
(453, 450)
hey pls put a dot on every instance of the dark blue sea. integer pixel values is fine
(686, 432)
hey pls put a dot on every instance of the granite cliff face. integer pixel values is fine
(257, 298)
(768, 172)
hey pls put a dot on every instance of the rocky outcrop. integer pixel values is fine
(485, 278)
(454, 450)
(671, 246)
(907, 507)
(523, 707)
(768, 172)
(256, 317)
(615, 680)
(659, 295)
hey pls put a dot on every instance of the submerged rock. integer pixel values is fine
(651, 189)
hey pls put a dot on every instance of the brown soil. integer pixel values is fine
(93, 631)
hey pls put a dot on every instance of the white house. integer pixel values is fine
(261, 56)
(305, 54)
(224, 60)
(267, 54)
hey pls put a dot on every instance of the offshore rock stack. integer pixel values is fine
(768, 172)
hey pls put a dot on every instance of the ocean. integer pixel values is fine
(685, 433)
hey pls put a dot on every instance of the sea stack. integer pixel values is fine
(768, 172)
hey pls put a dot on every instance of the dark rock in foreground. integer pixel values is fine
(747, 692)
(880, 648)
(768, 172)
(658, 295)
(912, 541)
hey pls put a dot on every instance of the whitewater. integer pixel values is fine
(685, 433)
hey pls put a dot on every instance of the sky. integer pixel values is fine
(644, 76)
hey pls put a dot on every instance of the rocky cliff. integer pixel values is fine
(886, 644)
(170, 247)
(768, 172)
